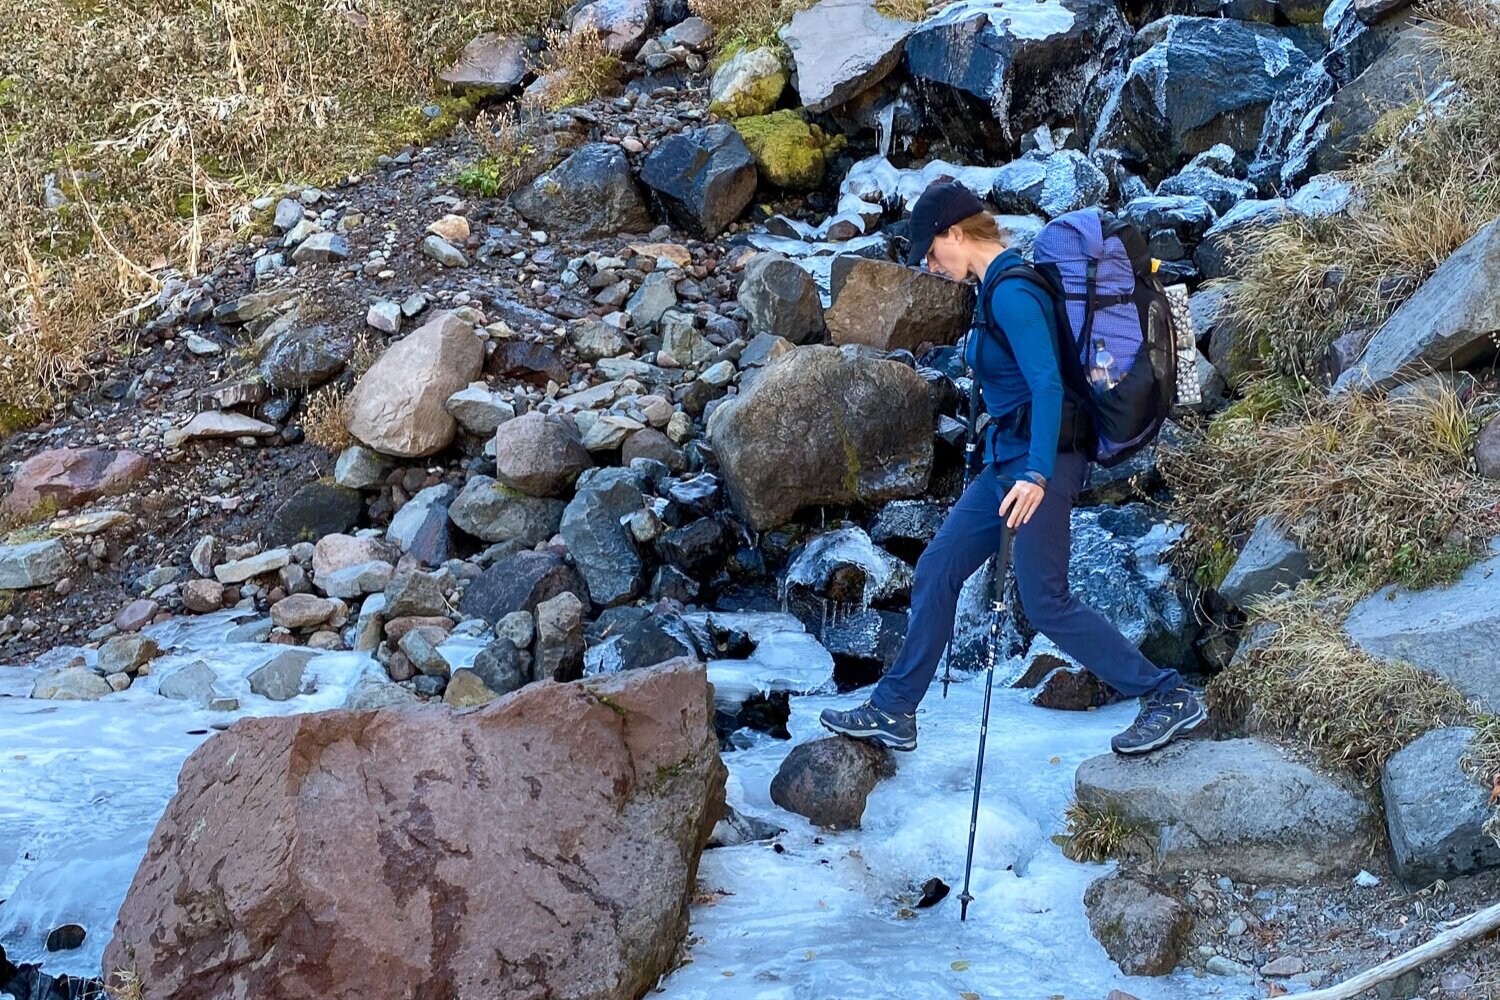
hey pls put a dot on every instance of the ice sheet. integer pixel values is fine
(820, 921)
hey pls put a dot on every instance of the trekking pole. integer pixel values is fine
(997, 610)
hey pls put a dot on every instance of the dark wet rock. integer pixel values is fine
(986, 75)
(519, 583)
(590, 194)
(1186, 215)
(1194, 83)
(828, 780)
(598, 542)
(904, 527)
(697, 549)
(704, 178)
(1072, 689)
(315, 510)
(781, 299)
(493, 512)
(863, 644)
(537, 364)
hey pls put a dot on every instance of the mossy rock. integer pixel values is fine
(754, 80)
(788, 151)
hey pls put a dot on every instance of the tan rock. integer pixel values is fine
(306, 610)
(544, 845)
(397, 407)
(336, 552)
(217, 424)
(891, 307)
(453, 228)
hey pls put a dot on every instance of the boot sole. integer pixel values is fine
(1186, 725)
(872, 735)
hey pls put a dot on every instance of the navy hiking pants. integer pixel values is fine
(970, 535)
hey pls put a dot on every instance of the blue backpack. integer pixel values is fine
(1115, 343)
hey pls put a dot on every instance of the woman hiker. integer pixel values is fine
(1027, 484)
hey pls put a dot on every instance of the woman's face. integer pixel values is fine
(946, 255)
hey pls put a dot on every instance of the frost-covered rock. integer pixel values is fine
(1196, 82)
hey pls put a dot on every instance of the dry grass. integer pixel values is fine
(748, 24)
(509, 158)
(1426, 184)
(1093, 834)
(124, 986)
(1307, 682)
(903, 10)
(1483, 762)
(325, 417)
(580, 67)
(132, 130)
(1377, 490)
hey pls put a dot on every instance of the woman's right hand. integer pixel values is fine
(1021, 502)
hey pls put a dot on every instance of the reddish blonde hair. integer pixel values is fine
(982, 227)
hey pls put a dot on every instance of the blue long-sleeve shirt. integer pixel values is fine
(1028, 372)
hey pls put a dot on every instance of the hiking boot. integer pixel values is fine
(1164, 716)
(899, 732)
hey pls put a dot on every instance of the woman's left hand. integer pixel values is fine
(1021, 502)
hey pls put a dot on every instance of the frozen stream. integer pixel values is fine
(82, 785)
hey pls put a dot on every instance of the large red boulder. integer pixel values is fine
(67, 477)
(542, 846)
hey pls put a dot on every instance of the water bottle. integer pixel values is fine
(1101, 375)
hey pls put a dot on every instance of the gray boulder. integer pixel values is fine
(590, 194)
(503, 667)
(1144, 930)
(656, 295)
(194, 682)
(317, 509)
(491, 64)
(704, 177)
(1238, 807)
(1449, 322)
(598, 542)
(125, 654)
(33, 564)
(781, 299)
(1452, 631)
(823, 426)
(1436, 813)
(1189, 216)
(415, 594)
(828, 780)
(1270, 561)
(492, 512)
(842, 48)
(890, 307)
(280, 679)
(1196, 82)
(70, 684)
(372, 693)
